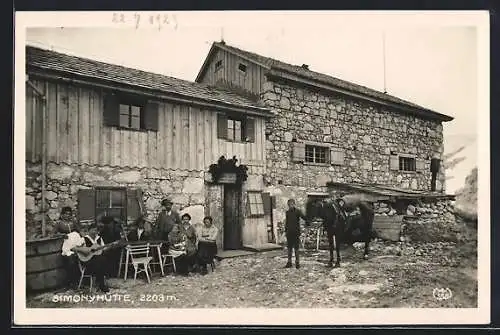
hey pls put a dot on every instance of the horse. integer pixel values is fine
(341, 227)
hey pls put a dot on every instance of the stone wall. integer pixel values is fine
(432, 221)
(185, 188)
(436, 222)
(367, 134)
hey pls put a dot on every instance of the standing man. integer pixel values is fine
(292, 230)
(167, 219)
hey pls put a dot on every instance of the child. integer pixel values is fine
(292, 230)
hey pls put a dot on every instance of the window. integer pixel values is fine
(407, 164)
(130, 112)
(242, 67)
(123, 203)
(255, 203)
(235, 129)
(218, 65)
(112, 202)
(316, 154)
(130, 116)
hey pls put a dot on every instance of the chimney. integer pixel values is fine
(305, 66)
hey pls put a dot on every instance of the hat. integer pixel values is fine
(166, 201)
(186, 215)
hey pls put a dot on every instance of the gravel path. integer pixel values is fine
(394, 276)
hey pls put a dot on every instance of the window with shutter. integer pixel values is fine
(130, 112)
(86, 206)
(111, 202)
(337, 156)
(298, 152)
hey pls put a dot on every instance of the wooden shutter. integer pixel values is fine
(394, 163)
(86, 206)
(266, 201)
(221, 126)
(298, 152)
(134, 204)
(250, 130)
(273, 202)
(337, 156)
(419, 165)
(111, 113)
(151, 116)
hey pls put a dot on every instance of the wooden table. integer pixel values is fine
(152, 244)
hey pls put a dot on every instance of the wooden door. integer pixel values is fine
(232, 217)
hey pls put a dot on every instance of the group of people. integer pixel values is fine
(343, 204)
(193, 248)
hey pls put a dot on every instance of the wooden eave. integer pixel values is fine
(90, 81)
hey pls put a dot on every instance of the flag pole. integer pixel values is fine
(383, 57)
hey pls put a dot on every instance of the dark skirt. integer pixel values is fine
(206, 252)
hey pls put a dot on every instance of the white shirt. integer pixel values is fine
(94, 241)
(139, 233)
(74, 240)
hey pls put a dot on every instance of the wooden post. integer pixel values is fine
(43, 97)
(44, 158)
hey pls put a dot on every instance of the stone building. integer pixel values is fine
(329, 135)
(103, 138)
(118, 140)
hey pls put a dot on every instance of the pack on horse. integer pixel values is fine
(343, 228)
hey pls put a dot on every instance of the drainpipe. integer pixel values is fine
(43, 98)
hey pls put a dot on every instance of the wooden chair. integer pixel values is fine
(139, 255)
(83, 275)
(170, 257)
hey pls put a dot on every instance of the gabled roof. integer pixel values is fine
(46, 61)
(279, 68)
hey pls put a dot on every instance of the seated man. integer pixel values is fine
(207, 248)
(139, 233)
(97, 264)
(110, 229)
(70, 259)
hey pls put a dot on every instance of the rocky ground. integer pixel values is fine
(396, 275)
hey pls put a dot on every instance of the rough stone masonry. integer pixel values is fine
(185, 188)
(366, 132)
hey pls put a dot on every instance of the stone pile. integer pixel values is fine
(383, 208)
(434, 222)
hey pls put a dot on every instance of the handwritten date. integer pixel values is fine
(140, 19)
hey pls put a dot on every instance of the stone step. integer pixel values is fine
(262, 247)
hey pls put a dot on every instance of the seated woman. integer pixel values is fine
(139, 233)
(207, 248)
(96, 265)
(182, 241)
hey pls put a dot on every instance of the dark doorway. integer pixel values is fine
(232, 217)
(435, 165)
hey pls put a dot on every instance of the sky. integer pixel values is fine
(431, 65)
